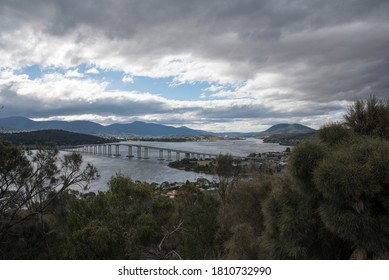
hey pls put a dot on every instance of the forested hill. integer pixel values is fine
(60, 137)
(286, 128)
(136, 128)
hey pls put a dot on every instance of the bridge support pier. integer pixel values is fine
(130, 155)
(160, 155)
(146, 153)
(139, 152)
(117, 152)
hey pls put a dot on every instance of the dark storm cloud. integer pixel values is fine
(258, 111)
(324, 51)
(36, 107)
(239, 111)
(272, 35)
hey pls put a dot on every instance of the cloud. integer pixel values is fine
(203, 95)
(128, 79)
(287, 60)
(67, 98)
(92, 70)
(73, 74)
(214, 88)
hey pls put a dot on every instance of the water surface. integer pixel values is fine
(154, 170)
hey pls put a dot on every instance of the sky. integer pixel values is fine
(215, 65)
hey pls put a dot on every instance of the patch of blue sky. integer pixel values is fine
(36, 72)
(33, 71)
(165, 87)
(223, 91)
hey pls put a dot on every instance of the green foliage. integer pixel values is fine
(30, 183)
(244, 220)
(224, 165)
(354, 182)
(369, 117)
(201, 227)
(243, 244)
(293, 229)
(334, 134)
(336, 200)
(15, 169)
(127, 218)
(303, 161)
(228, 173)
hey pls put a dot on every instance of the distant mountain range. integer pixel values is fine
(135, 129)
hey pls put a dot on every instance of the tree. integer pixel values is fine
(126, 222)
(244, 221)
(302, 163)
(227, 173)
(243, 244)
(200, 228)
(335, 133)
(335, 202)
(31, 180)
(293, 228)
(369, 117)
(354, 183)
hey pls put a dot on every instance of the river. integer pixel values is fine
(153, 170)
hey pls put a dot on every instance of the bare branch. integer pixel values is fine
(175, 229)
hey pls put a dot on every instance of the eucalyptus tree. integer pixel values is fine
(30, 181)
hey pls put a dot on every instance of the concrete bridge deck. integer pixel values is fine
(142, 151)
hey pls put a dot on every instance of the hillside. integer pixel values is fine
(60, 137)
(285, 128)
(134, 129)
(138, 128)
(290, 139)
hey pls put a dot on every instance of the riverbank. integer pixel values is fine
(268, 163)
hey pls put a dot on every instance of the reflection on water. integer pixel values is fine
(153, 170)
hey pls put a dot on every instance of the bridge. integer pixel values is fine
(141, 151)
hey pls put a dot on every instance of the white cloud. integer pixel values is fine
(73, 73)
(128, 79)
(203, 95)
(214, 88)
(92, 70)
